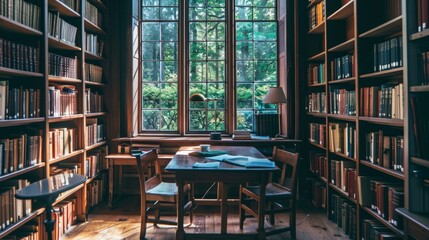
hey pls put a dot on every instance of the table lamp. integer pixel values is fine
(198, 97)
(276, 95)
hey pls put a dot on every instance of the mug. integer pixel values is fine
(204, 147)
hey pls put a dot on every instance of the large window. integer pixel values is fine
(233, 67)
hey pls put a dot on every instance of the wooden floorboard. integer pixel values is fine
(123, 222)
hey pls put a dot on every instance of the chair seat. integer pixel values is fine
(272, 191)
(164, 188)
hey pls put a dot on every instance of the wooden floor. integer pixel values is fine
(123, 222)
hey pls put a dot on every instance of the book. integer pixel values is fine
(243, 161)
(206, 165)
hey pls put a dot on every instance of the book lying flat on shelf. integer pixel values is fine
(244, 161)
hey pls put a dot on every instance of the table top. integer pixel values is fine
(184, 162)
(50, 186)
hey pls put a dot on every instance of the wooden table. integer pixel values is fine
(182, 163)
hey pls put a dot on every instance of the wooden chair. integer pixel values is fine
(280, 196)
(156, 195)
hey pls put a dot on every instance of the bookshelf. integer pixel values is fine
(360, 109)
(52, 83)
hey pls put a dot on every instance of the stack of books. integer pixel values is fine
(241, 135)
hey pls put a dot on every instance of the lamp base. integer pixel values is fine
(215, 136)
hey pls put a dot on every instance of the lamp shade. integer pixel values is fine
(197, 97)
(275, 95)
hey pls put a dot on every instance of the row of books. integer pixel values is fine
(92, 14)
(96, 191)
(12, 210)
(319, 164)
(393, 9)
(65, 167)
(387, 54)
(343, 213)
(93, 73)
(62, 141)
(342, 139)
(65, 216)
(382, 197)
(20, 151)
(317, 134)
(420, 125)
(424, 65)
(316, 14)
(343, 67)
(60, 29)
(316, 102)
(316, 73)
(22, 11)
(342, 101)
(316, 190)
(94, 132)
(241, 135)
(385, 101)
(62, 100)
(422, 15)
(18, 102)
(386, 151)
(94, 101)
(62, 66)
(343, 175)
(18, 56)
(29, 231)
(95, 163)
(94, 44)
(73, 4)
(374, 230)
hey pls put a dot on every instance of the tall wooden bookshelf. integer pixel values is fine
(46, 48)
(353, 83)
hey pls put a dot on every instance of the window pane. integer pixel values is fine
(197, 14)
(169, 31)
(244, 96)
(264, 14)
(244, 31)
(169, 96)
(243, 13)
(264, 3)
(150, 2)
(197, 120)
(197, 71)
(168, 2)
(150, 32)
(197, 51)
(215, 50)
(244, 71)
(244, 2)
(215, 13)
(215, 31)
(150, 120)
(151, 93)
(197, 3)
(216, 71)
(150, 71)
(169, 120)
(265, 31)
(169, 70)
(260, 92)
(150, 13)
(266, 50)
(169, 51)
(266, 71)
(244, 50)
(197, 31)
(150, 50)
(244, 120)
(168, 13)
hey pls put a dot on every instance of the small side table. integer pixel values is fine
(47, 190)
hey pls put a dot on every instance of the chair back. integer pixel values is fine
(289, 168)
(144, 162)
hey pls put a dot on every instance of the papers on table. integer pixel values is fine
(244, 161)
(206, 165)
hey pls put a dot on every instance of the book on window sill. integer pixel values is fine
(244, 161)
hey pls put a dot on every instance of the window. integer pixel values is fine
(232, 67)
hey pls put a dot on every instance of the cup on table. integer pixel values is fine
(204, 147)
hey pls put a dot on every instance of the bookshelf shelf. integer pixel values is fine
(419, 35)
(419, 89)
(348, 118)
(382, 220)
(387, 171)
(21, 222)
(383, 121)
(9, 72)
(342, 155)
(63, 8)
(319, 29)
(315, 114)
(99, 4)
(92, 56)
(58, 44)
(343, 193)
(385, 73)
(68, 156)
(350, 80)
(345, 46)
(16, 27)
(420, 220)
(65, 118)
(63, 79)
(89, 26)
(420, 161)
(318, 57)
(95, 114)
(317, 145)
(21, 171)
(95, 84)
(96, 145)
(344, 12)
(387, 28)
(19, 122)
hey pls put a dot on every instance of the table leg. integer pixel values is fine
(224, 208)
(261, 211)
(120, 180)
(110, 183)
(180, 232)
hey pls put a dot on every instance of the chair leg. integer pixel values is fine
(143, 219)
(272, 220)
(292, 221)
(241, 211)
(156, 217)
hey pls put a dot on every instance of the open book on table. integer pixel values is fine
(244, 161)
